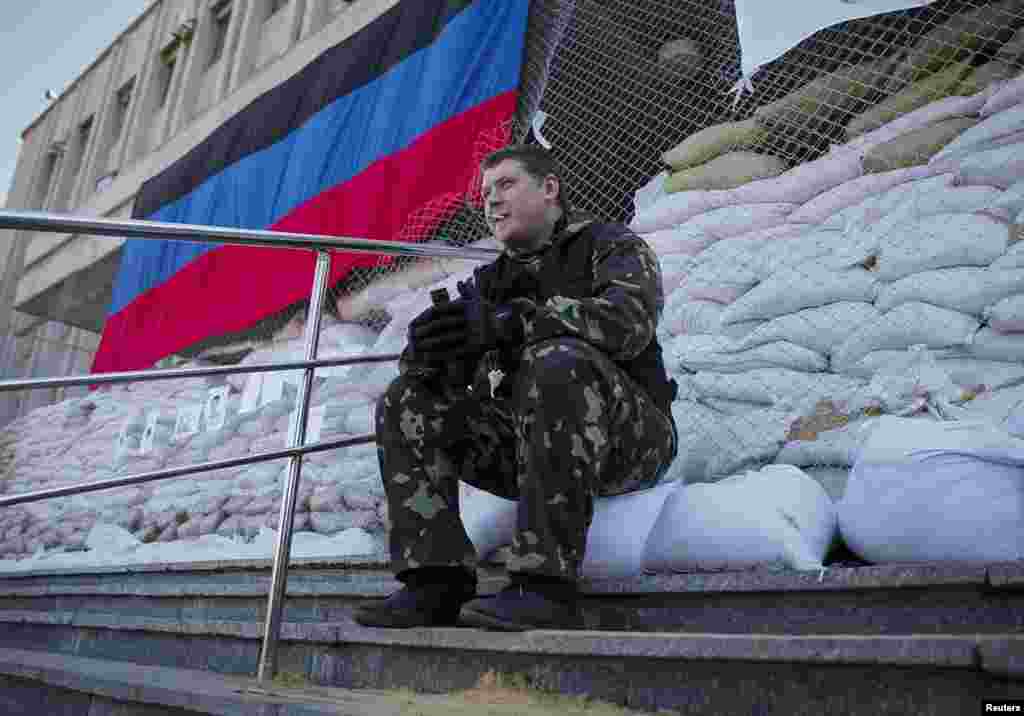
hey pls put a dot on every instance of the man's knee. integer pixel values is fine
(401, 409)
(557, 360)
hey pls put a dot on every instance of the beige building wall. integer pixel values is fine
(180, 70)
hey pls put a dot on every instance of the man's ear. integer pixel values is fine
(551, 186)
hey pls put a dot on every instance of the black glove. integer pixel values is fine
(468, 326)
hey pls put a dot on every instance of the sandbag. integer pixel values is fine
(1003, 175)
(803, 181)
(832, 478)
(991, 344)
(823, 206)
(907, 325)
(793, 290)
(704, 352)
(825, 249)
(935, 491)
(982, 375)
(738, 219)
(1009, 95)
(875, 361)
(967, 290)
(915, 147)
(673, 209)
(1003, 408)
(713, 445)
(994, 127)
(777, 515)
(726, 172)
(839, 446)
(835, 92)
(940, 241)
(820, 329)
(1007, 315)
(693, 317)
(957, 38)
(929, 114)
(649, 193)
(780, 387)
(678, 240)
(992, 75)
(619, 531)
(1013, 258)
(489, 520)
(931, 89)
(712, 142)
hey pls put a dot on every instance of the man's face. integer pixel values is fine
(520, 210)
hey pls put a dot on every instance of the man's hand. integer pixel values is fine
(465, 327)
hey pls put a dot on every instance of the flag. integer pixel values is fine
(376, 128)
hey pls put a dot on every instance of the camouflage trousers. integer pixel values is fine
(570, 426)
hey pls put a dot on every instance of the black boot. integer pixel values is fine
(432, 596)
(528, 602)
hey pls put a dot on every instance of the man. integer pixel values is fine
(542, 382)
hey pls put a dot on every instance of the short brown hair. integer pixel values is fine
(537, 162)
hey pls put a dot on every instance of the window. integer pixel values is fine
(168, 58)
(221, 21)
(121, 104)
(49, 171)
(275, 6)
(84, 130)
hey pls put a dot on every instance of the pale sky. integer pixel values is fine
(45, 44)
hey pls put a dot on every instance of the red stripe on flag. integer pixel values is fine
(232, 287)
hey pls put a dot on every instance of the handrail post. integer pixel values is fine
(279, 578)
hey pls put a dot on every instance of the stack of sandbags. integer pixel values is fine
(716, 158)
(148, 426)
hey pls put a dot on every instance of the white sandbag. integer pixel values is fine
(692, 317)
(739, 219)
(732, 408)
(936, 491)
(1012, 199)
(995, 126)
(976, 373)
(1002, 408)
(941, 241)
(713, 445)
(929, 114)
(908, 324)
(1003, 175)
(839, 446)
(994, 157)
(649, 193)
(777, 515)
(1007, 96)
(489, 520)
(673, 209)
(619, 531)
(710, 280)
(874, 361)
(832, 478)
(678, 240)
(820, 329)
(991, 344)
(1013, 258)
(792, 290)
(785, 389)
(1007, 315)
(707, 352)
(968, 290)
(823, 206)
(803, 182)
(825, 248)
(866, 216)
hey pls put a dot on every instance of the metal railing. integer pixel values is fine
(322, 246)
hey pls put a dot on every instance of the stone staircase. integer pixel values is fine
(175, 639)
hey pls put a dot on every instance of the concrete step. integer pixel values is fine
(889, 599)
(41, 683)
(691, 673)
